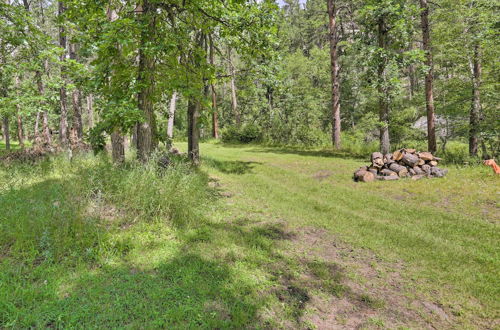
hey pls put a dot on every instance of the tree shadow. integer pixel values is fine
(218, 274)
(329, 153)
(230, 167)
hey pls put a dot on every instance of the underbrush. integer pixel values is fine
(49, 208)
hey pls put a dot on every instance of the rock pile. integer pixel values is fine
(401, 163)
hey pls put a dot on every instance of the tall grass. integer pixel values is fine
(47, 208)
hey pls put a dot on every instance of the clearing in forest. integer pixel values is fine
(287, 240)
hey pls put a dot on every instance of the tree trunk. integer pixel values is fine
(76, 98)
(45, 119)
(146, 131)
(36, 130)
(193, 130)
(171, 116)
(334, 39)
(20, 131)
(6, 131)
(234, 99)
(117, 147)
(63, 123)
(385, 145)
(90, 110)
(215, 117)
(429, 97)
(475, 112)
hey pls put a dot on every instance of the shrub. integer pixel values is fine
(244, 134)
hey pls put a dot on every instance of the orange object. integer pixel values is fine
(491, 163)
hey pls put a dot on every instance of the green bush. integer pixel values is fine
(244, 134)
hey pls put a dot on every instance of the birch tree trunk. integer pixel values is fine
(171, 116)
(234, 99)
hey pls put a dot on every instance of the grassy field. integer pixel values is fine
(260, 237)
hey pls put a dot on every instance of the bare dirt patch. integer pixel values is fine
(322, 175)
(356, 289)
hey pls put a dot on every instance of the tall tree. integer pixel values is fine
(429, 77)
(215, 115)
(6, 131)
(76, 98)
(146, 132)
(171, 116)
(63, 120)
(334, 67)
(234, 98)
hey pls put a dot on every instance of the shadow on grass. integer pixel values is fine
(230, 167)
(228, 274)
(309, 152)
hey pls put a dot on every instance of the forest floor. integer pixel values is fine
(288, 241)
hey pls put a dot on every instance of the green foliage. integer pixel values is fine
(245, 134)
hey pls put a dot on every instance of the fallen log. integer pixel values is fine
(410, 159)
(364, 176)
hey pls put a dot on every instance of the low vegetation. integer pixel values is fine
(270, 237)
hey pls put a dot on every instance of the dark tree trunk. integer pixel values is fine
(6, 131)
(334, 67)
(117, 147)
(385, 144)
(76, 98)
(36, 130)
(63, 123)
(429, 97)
(215, 117)
(45, 116)
(20, 131)
(146, 131)
(193, 130)
(475, 111)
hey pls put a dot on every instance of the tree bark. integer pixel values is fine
(215, 117)
(20, 130)
(36, 130)
(385, 145)
(193, 130)
(334, 67)
(429, 97)
(171, 116)
(45, 116)
(117, 147)
(475, 112)
(63, 122)
(234, 99)
(90, 110)
(6, 131)
(76, 97)
(146, 132)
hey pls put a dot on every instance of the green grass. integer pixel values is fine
(88, 244)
